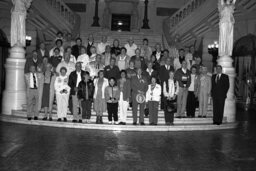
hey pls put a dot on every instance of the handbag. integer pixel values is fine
(171, 106)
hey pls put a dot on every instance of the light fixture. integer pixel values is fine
(28, 40)
(120, 23)
(213, 49)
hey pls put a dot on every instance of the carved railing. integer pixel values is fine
(184, 12)
(71, 17)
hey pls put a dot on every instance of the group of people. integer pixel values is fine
(111, 77)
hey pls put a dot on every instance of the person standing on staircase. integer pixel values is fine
(76, 49)
(130, 47)
(90, 43)
(99, 102)
(102, 45)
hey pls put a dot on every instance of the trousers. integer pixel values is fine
(182, 101)
(191, 104)
(75, 107)
(86, 106)
(112, 111)
(203, 103)
(218, 109)
(62, 105)
(123, 108)
(153, 111)
(32, 98)
(135, 110)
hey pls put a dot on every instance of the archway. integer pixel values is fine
(4, 47)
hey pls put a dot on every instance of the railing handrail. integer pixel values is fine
(179, 15)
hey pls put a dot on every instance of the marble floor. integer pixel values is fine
(37, 148)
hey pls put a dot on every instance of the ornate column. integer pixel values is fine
(106, 16)
(145, 20)
(96, 17)
(226, 28)
(15, 91)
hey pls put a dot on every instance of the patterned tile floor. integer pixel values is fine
(35, 148)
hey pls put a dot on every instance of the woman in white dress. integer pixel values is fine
(62, 94)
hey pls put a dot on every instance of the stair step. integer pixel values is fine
(161, 120)
(118, 128)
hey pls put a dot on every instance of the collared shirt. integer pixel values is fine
(84, 59)
(184, 70)
(130, 49)
(192, 85)
(101, 47)
(167, 67)
(42, 52)
(158, 55)
(150, 71)
(78, 80)
(33, 82)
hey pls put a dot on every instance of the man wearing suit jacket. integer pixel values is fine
(220, 86)
(164, 76)
(75, 78)
(34, 60)
(150, 72)
(42, 51)
(139, 84)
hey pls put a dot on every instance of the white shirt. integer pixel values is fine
(192, 85)
(61, 83)
(184, 70)
(31, 81)
(84, 58)
(42, 52)
(158, 55)
(155, 94)
(78, 80)
(72, 58)
(150, 71)
(101, 47)
(130, 49)
(173, 89)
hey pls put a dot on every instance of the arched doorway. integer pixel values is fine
(4, 47)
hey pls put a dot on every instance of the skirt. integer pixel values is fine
(100, 105)
(46, 95)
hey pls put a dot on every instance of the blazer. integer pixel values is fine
(40, 55)
(126, 89)
(30, 62)
(180, 75)
(81, 94)
(164, 73)
(27, 79)
(139, 85)
(220, 89)
(105, 84)
(154, 95)
(112, 92)
(112, 72)
(153, 74)
(72, 81)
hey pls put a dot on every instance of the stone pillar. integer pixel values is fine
(14, 95)
(226, 27)
(145, 20)
(96, 17)
(135, 17)
(106, 16)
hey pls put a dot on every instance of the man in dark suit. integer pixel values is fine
(42, 51)
(164, 76)
(77, 47)
(139, 84)
(150, 72)
(75, 78)
(34, 60)
(220, 86)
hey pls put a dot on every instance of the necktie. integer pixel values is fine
(217, 78)
(86, 91)
(34, 80)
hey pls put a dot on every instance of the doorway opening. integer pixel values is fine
(121, 22)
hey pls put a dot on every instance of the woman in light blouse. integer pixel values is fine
(62, 94)
(123, 59)
(170, 91)
(153, 96)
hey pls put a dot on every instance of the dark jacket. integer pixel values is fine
(154, 53)
(111, 72)
(30, 62)
(126, 89)
(76, 50)
(89, 48)
(55, 60)
(220, 89)
(116, 50)
(184, 79)
(72, 81)
(139, 85)
(46, 53)
(81, 94)
(164, 73)
(153, 74)
(142, 61)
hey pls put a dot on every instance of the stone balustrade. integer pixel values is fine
(184, 11)
(63, 10)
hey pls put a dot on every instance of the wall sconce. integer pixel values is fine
(28, 40)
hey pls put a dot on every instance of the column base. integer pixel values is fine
(14, 95)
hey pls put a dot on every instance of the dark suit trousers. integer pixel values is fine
(86, 109)
(218, 110)
(112, 111)
(191, 104)
(169, 116)
(135, 110)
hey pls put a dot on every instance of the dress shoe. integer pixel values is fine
(120, 123)
(134, 123)
(74, 120)
(171, 123)
(59, 120)
(199, 116)
(204, 116)
(124, 123)
(35, 118)
(151, 124)
(29, 118)
(65, 119)
(44, 119)
(80, 121)
(101, 122)
(167, 123)
(50, 119)
(142, 123)
(179, 117)
(155, 124)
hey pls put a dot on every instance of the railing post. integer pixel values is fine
(145, 20)
(96, 17)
